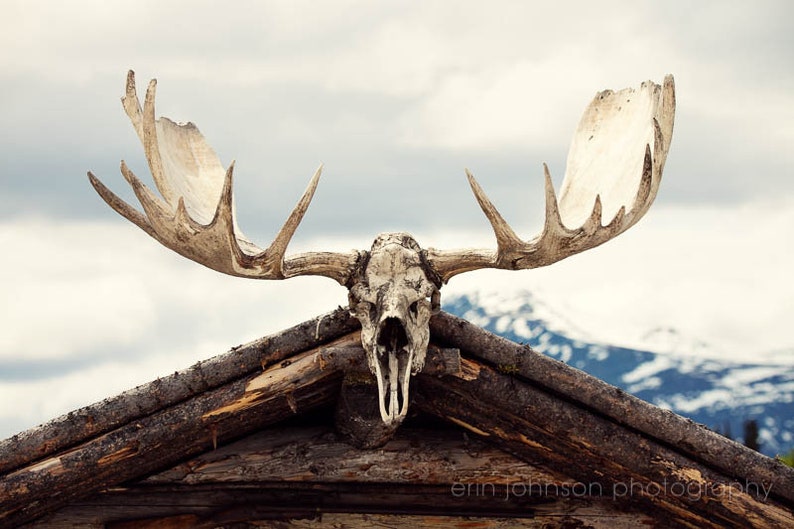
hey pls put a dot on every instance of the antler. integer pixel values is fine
(614, 169)
(195, 217)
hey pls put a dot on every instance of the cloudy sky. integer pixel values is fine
(396, 99)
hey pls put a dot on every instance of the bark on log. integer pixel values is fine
(163, 438)
(566, 383)
(539, 427)
(97, 419)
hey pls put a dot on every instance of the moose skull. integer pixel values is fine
(614, 169)
(393, 297)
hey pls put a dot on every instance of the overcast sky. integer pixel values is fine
(396, 99)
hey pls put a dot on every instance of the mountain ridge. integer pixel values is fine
(675, 372)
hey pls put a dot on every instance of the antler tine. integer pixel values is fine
(279, 244)
(121, 207)
(603, 168)
(195, 216)
(506, 238)
(132, 106)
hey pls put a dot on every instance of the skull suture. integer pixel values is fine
(393, 297)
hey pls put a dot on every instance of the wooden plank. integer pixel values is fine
(415, 455)
(567, 383)
(284, 504)
(396, 521)
(596, 520)
(307, 457)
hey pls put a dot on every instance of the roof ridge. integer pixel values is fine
(101, 417)
(668, 428)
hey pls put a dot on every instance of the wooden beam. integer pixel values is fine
(352, 359)
(161, 439)
(97, 419)
(567, 383)
(416, 454)
(408, 521)
(296, 463)
(284, 504)
(596, 451)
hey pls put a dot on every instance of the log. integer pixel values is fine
(357, 416)
(415, 455)
(567, 383)
(100, 418)
(295, 505)
(314, 504)
(539, 427)
(169, 435)
(402, 521)
(311, 470)
(352, 359)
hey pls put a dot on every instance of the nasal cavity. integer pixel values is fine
(392, 335)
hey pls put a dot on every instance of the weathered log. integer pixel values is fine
(357, 414)
(539, 427)
(97, 419)
(566, 383)
(315, 504)
(453, 472)
(402, 521)
(524, 403)
(418, 455)
(353, 359)
(163, 438)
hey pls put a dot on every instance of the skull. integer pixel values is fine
(393, 296)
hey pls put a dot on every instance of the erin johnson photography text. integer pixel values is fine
(692, 491)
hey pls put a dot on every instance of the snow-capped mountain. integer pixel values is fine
(668, 369)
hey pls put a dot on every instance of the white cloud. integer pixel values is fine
(54, 278)
(719, 275)
(73, 290)
(382, 89)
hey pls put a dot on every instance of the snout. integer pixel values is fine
(393, 368)
(392, 334)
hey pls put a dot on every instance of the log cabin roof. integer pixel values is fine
(511, 438)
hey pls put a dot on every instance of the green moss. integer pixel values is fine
(788, 459)
(508, 369)
(360, 378)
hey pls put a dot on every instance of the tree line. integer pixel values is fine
(751, 440)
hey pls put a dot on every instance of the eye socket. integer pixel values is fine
(414, 308)
(360, 307)
(368, 308)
